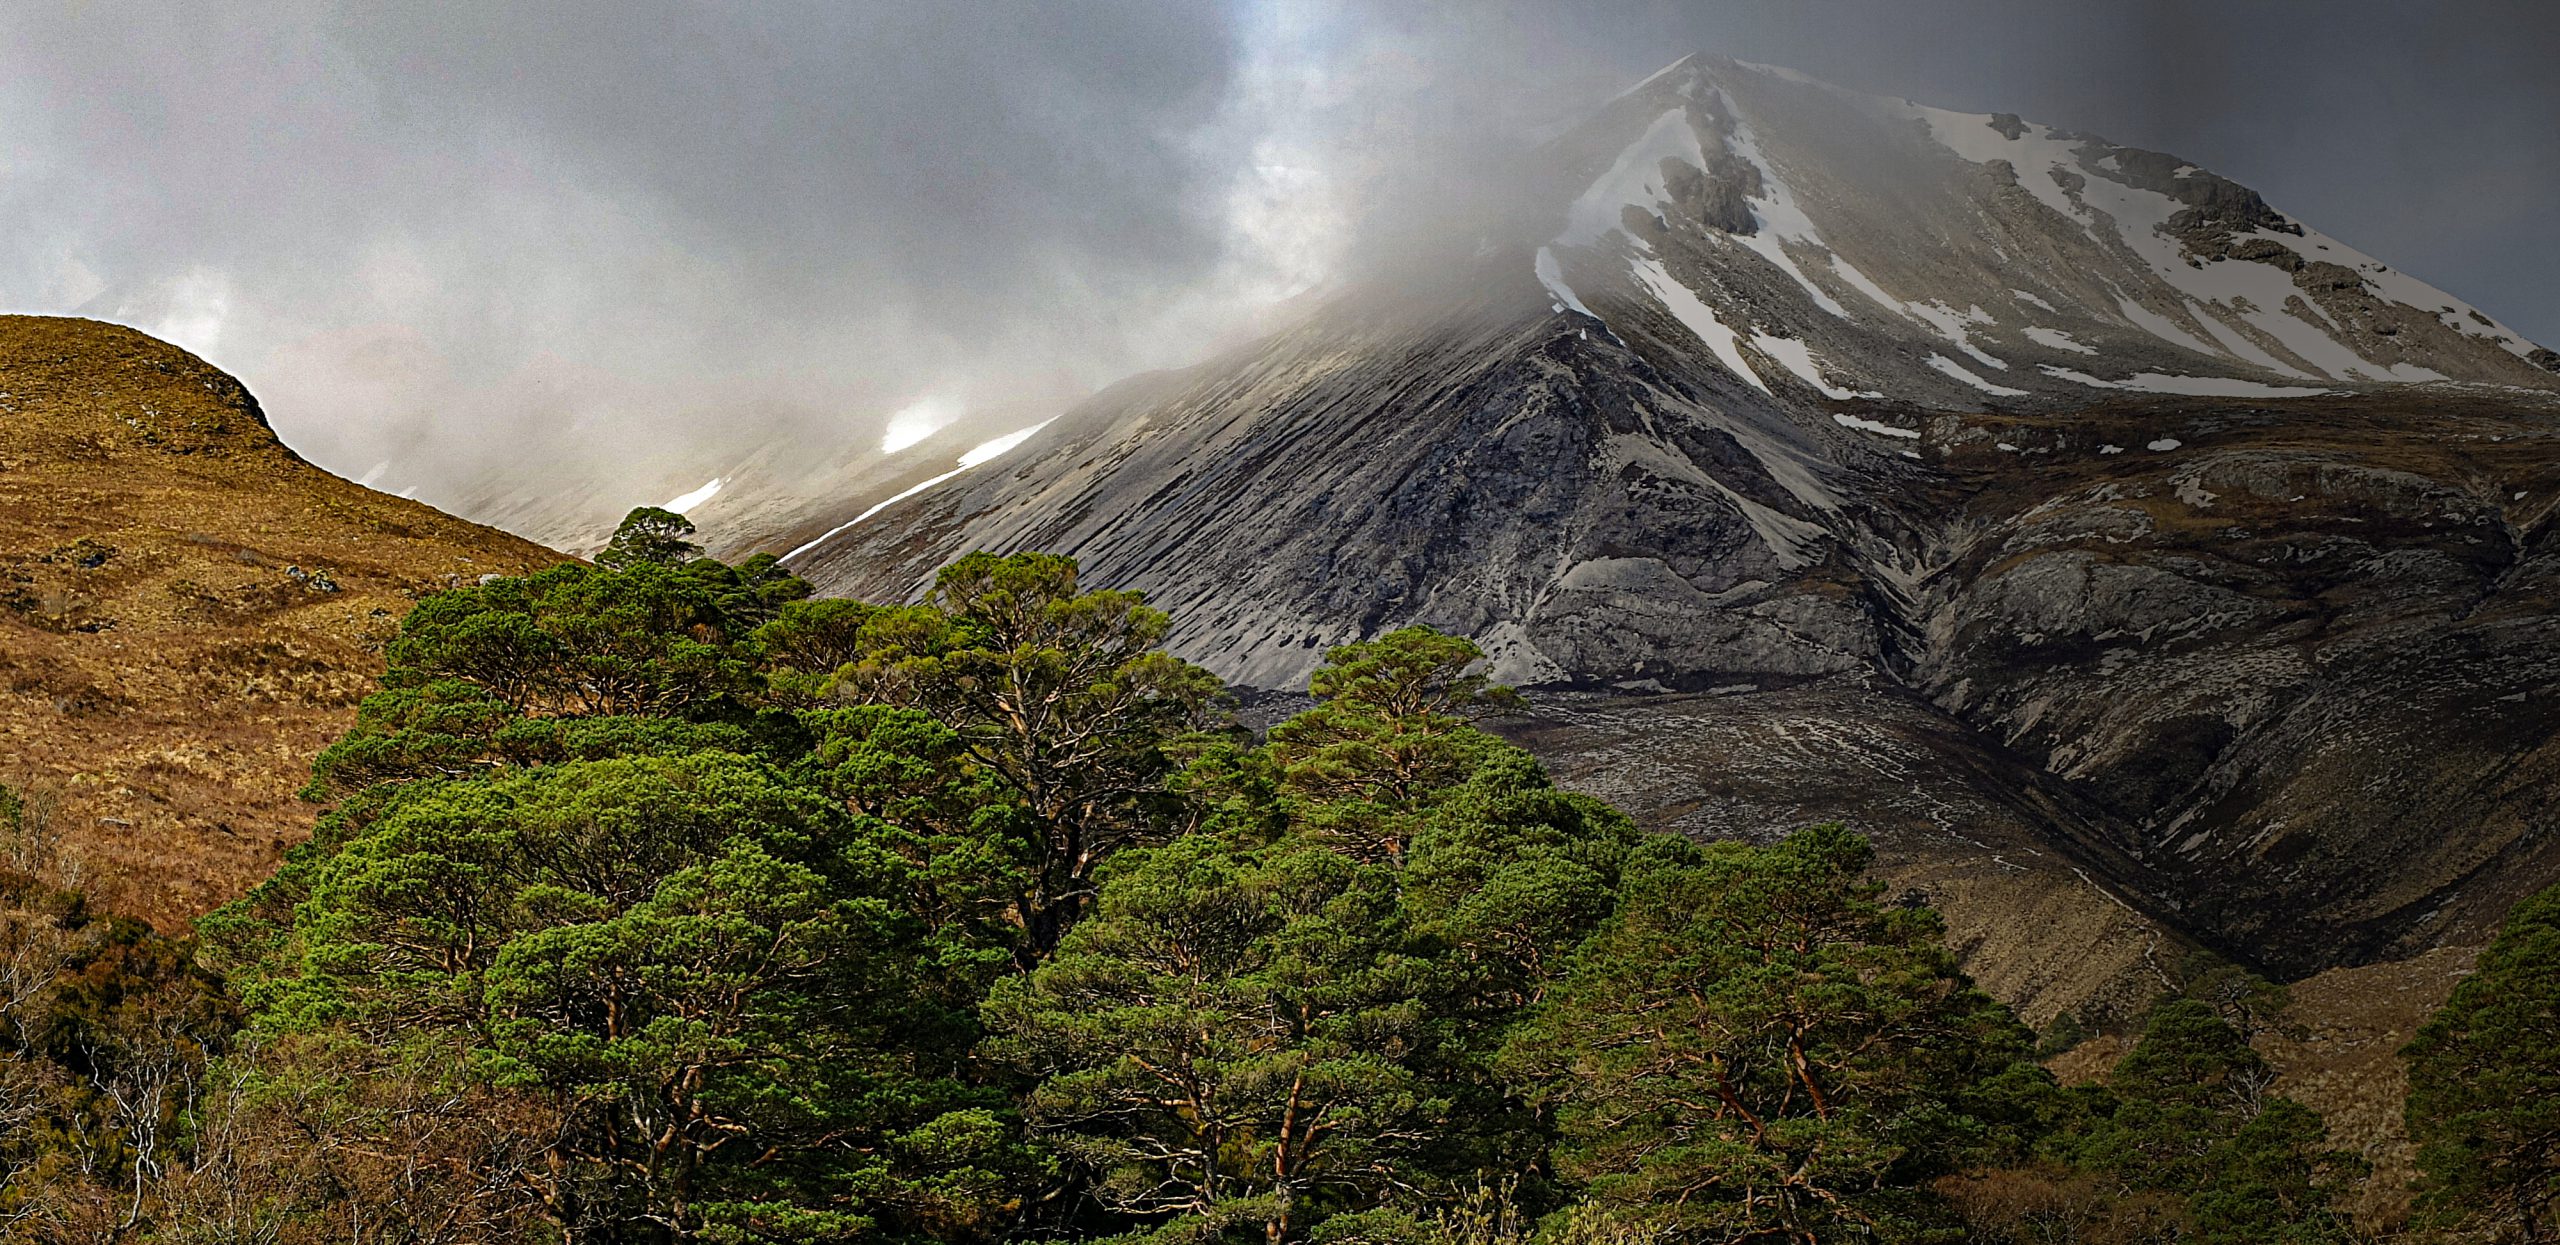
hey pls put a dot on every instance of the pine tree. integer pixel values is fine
(1229, 1039)
(649, 536)
(1060, 702)
(1755, 1048)
(704, 972)
(2191, 1111)
(2484, 1085)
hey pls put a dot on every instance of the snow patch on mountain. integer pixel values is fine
(1952, 368)
(1700, 319)
(2258, 294)
(2193, 386)
(990, 451)
(977, 456)
(2222, 292)
(2161, 326)
(1875, 426)
(1950, 324)
(1864, 284)
(2118, 255)
(1657, 76)
(2214, 386)
(2452, 312)
(1635, 180)
(2058, 339)
(698, 496)
(1778, 220)
(1552, 277)
(1790, 540)
(2036, 154)
(2235, 344)
(1797, 357)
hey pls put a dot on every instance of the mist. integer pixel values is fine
(534, 263)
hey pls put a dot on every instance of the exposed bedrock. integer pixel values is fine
(2139, 565)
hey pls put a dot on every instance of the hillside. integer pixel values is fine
(188, 610)
(2102, 539)
(2141, 568)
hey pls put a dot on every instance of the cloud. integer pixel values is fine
(580, 255)
(461, 236)
(2418, 133)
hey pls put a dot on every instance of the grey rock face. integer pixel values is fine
(2307, 661)
(2028, 495)
(2031, 890)
(1523, 480)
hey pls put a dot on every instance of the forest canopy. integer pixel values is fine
(656, 900)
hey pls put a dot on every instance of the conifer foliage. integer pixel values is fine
(1753, 1047)
(2484, 1086)
(658, 902)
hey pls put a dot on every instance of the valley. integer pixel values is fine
(2011, 629)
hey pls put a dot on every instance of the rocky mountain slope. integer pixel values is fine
(2107, 542)
(777, 491)
(188, 610)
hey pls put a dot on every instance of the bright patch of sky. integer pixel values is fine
(190, 311)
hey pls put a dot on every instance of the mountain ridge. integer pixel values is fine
(2037, 446)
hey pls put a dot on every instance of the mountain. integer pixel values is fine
(1840, 270)
(776, 492)
(2142, 567)
(188, 610)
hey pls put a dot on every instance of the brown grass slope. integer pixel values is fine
(188, 610)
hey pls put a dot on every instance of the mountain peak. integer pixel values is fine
(1811, 236)
(1813, 450)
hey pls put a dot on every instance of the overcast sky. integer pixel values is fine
(455, 240)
